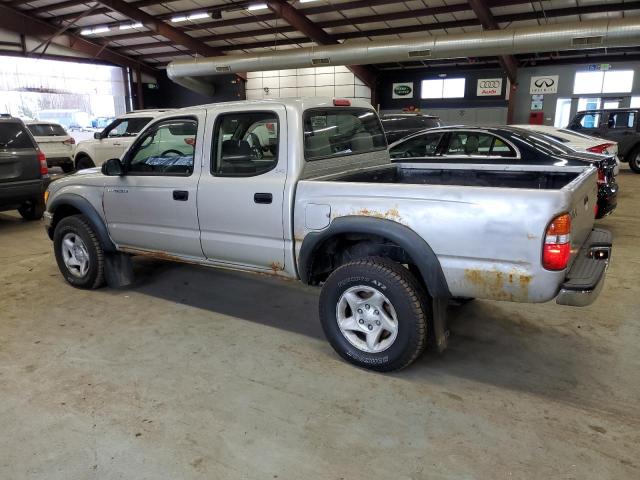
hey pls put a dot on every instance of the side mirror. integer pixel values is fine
(113, 168)
(97, 135)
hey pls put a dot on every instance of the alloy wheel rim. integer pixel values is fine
(367, 319)
(75, 255)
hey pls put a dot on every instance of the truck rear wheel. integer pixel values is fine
(78, 252)
(373, 313)
(634, 160)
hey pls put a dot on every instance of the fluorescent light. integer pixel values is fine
(130, 26)
(307, 1)
(90, 31)
(257, 6)
(193, 16)
(198, 16)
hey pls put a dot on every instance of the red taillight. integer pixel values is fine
(602, 148)
(595, 210)
(556, 250)
(341, 102)
(602, 179)
(42, 158)
(70, 141)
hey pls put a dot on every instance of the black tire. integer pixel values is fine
(634, 159)
(32, 209)
(402, 290)
(80, 226)
(83, 161)
(67, 167)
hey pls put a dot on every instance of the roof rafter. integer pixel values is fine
(508, 62)
(18, 22)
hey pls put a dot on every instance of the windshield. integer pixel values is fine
(47, 130)
(335, 132)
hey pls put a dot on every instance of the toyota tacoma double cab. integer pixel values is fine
(305, 189)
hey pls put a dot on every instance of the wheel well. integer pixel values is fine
(345, 247)
(61, 212)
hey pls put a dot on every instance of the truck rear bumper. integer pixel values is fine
(585, 278)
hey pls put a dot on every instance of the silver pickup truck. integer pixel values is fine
(304, 189)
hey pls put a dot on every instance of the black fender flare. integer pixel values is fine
(415, 246)
(85, 207)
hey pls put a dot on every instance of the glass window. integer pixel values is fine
(167, 148)
(612, 81)
(47, 130)
(619, 81)
(336, 132)
(245, 144)
(12, 135)
(588, 82)
(128, 127)
(590, 120)
(418, 146)
(621, 120)
(443, 88)
(635, 102)
(478, 144)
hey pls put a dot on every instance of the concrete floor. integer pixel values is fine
(198, 373)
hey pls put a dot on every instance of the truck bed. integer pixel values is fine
(523, 177)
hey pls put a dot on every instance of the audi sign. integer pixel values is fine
(489, 87)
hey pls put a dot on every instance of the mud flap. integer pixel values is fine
(440, 325)
(118, 270)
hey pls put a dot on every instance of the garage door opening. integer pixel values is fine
(82, 97)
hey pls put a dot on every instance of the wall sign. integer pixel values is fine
(544, 84)
(402, 90)
(536, 102)
(489, 87)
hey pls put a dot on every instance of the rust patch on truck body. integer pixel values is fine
(390, 214)
(496, 285)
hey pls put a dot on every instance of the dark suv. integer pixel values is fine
(399, 125)
(23, 170)
(620, 125)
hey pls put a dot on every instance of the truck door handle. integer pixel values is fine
(263, 198)
(181, 195)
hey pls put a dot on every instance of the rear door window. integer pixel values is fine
(14, 136)
(477, 144)
(419, 146)
(46, 130)
(336, 132)
(621, 120)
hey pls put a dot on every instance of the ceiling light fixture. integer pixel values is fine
(257, 6)
(192, 16)
(91, 31)
(130, 26)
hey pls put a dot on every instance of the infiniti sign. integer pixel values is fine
(544, 84)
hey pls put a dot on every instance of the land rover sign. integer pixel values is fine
(403, 90)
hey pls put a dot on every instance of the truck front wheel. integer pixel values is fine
(373, 314)
(78, 252)
(634, 159)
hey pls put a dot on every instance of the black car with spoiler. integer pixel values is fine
(505, 145)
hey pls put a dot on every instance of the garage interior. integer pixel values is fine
(195, 372)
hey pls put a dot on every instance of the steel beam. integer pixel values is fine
(18, 22)
(508, 62)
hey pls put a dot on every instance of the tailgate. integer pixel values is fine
(19, 164)
(583, 197)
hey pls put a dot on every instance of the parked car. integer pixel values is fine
(113, 140)
(55, 142)
(389, 243)
(23, 170)
(506, 145)
(399, 125)
(619, 125)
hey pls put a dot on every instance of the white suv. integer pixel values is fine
(114, 139)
